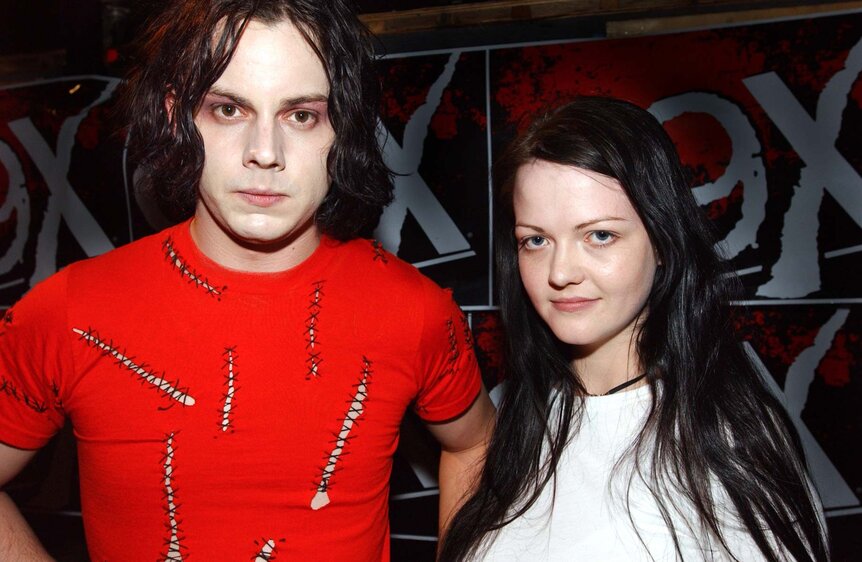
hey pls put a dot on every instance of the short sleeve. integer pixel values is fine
(449, 374)
(32, 339)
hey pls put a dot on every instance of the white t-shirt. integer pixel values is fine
(589, 519)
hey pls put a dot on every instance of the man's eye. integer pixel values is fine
(227, 110)
(302, 117)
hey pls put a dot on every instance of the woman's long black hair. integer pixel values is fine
(185, 49)
(713, 419)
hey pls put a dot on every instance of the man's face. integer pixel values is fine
(266, 134)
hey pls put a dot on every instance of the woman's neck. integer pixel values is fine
(604, 367)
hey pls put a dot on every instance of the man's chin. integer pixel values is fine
(261, 241)
(270, 239)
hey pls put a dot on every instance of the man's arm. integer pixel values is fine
(463, 442)
(17, 541)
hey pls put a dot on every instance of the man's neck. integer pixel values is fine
(221, 248)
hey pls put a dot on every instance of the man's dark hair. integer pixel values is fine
(184, 50)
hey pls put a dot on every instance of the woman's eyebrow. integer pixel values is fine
(598, 220)
(530, 226)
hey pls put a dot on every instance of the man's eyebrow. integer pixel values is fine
(285, 103)
(235, 98)
(313, 98)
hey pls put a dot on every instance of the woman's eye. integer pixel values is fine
(533, 242)
(602, 237)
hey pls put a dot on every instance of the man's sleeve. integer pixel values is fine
(449, 377)
(32, 359)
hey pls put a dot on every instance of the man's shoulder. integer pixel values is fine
(132, 250)
(118, 267)
(386, 286)
(87, 282)
(367, 260)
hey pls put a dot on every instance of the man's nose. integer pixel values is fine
(265, 146)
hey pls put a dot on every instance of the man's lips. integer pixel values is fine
(261, 198)
(572, 304)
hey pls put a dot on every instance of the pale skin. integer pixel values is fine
(587, 264)
(266, 134)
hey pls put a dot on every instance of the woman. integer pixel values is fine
(634, 426)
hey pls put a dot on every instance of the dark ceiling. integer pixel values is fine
(42, 25)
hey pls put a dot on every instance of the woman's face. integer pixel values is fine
(584, 255)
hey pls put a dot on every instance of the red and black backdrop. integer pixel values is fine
(766, 117)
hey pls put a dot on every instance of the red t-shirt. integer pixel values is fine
(223, 415)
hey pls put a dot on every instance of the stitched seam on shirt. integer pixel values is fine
(379, 253)
(267, 550)
(7, 320)
(9, 389)
(229, 394)
(177, 262)
(452, 338)
(157, 380)
(356, 406)
(175, 538)
(312, 332)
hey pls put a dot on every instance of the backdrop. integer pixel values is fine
(767, 119)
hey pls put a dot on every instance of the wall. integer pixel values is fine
(766, 117)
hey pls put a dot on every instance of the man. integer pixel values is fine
(236, 382)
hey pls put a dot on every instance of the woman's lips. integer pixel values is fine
(573, 304)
